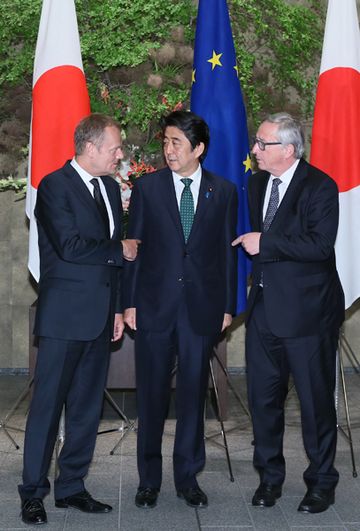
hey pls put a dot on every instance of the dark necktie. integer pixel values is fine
(186, 208)
(273, 204)
(100, 203)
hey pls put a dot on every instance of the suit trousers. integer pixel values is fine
(156, 353)
(70, 373)
(312, 362)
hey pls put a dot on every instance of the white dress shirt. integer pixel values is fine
(283, 186)
(86, 177)
(194, 187)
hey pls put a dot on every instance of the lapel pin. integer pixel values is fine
(207, 194)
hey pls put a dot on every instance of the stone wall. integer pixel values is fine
(17, 293)
(16, 290)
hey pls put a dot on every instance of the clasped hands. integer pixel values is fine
(130, 248)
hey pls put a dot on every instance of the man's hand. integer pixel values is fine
(118, 327)
(130, 249)
(130, 318)
(227, 321)
(249, 241)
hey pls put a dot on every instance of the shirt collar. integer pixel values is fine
(83, 173)
(196, 176)
(288, 174)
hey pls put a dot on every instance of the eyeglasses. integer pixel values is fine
(262, 145)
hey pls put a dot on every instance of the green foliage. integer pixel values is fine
(18, 31)
(122, 33)
(278, 46)
(138, 105)
(18, 185)
(112, 33)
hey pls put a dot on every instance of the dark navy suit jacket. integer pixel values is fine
(301, 288)
(203, 269)
(80, 277)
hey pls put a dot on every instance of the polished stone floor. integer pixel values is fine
(113, 478)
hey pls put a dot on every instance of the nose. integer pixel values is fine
(119, 153)
(168, 149)
(255, 148)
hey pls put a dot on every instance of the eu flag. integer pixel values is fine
(216, 97)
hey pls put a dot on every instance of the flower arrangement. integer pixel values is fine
(126, 176)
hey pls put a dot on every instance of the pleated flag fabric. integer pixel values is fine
(216, 96)
(335, 146)
(59, 100)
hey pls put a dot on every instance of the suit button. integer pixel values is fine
(107, 284)
(186, 254)
(110, 261)
(180, 279)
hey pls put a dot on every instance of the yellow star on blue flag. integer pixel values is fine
(215, 60)
(216, 96)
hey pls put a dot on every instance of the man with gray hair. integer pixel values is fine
(79, 312)
(295, 309)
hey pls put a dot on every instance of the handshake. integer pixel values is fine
(130, 249)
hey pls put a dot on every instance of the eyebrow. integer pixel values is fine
(172, 138)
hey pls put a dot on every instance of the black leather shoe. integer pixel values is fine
(194, 497)
(146, 497)
(84, 502)
(266, 495)
(33, 512)
(317, 500)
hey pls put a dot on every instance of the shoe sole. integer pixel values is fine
(260, 504)
(34, 523)
(194, 506)
(304, 511)
(263, 505)
(62, 505)
(141, 506)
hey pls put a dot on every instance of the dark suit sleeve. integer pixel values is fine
(231, 252)
(55, 212)
(313, 236)
(135, 230)
(119, 304)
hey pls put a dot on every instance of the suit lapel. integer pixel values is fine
(205, 199)
(291, 195)
(206, 191)
(169, 198)
(84, 195)
(115, 207)
(80, 188)
(259, 198)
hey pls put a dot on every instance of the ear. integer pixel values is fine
(90, 149)
(199, 150)
(290, 151)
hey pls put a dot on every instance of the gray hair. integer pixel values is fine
(289, 131)
(92, 129)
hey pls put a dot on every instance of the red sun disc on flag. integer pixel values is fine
(335, 149)
(60, 101)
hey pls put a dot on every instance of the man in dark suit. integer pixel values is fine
(79, 215)
(180, 296)
(295, 309)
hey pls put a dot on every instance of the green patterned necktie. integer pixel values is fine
(186, 208)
